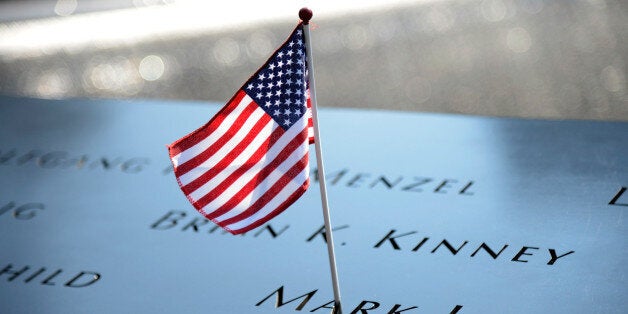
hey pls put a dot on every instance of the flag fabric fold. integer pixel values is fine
(251, 160)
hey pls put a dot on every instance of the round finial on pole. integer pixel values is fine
(305, 14)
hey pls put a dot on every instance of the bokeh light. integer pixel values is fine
(525, 58)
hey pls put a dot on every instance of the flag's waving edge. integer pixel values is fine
(251, 160)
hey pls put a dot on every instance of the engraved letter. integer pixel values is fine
(134, 165)
(91, 278)
(280, 302)
(420, 244)
(390, 238)
(168, 220)
(47, 281)
(7, 156)
(413, 186)
(384, 180)
(193, 224)
(105, 163)
(329, 305)
(6, 208)
(449, 247)
(27, 211)
(15, 274)
(396, 309)
(34, 275)
(272, 231)
(363, 310)
(81, 161)
(52, 159)
(444, 185)
(465, 188)
(168, 170)
(617, 196)
(333, 177)
(30, 156)
(355, 182)
(321, 232)
(489, 250)
(523, 252)
(555, 257)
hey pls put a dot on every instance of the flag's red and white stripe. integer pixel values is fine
(241, 169)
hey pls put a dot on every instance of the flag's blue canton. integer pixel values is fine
(280, 86)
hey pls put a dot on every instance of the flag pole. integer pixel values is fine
(306, 14)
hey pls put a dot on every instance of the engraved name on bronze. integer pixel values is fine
(180, 220)
(364, 306)
(521, 254)
(65, 160)
(405, 183)
(48, 277)
(59, 159)
(397, 241)
(192, 223)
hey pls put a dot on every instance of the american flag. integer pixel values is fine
(250, 161)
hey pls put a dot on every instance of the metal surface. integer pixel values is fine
(85, 190)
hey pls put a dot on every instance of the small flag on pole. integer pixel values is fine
(251, 160)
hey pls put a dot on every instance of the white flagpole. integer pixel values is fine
(306, 14)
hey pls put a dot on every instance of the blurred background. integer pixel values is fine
(519, 58)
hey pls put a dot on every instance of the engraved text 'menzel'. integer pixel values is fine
(365, 306)
(49, 278)
(521, 256)
(400, 183)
